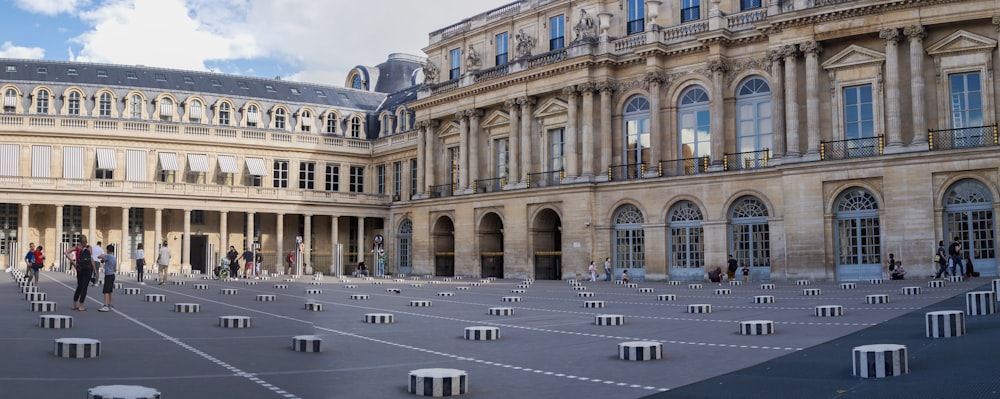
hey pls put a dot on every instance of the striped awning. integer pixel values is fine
(105, 159)
(168, 161)
(9, 101)
(166, 107)
(198, 163)
(195, 112)
(252, 117)
(227, 164)
(256, 166)
(307, 121)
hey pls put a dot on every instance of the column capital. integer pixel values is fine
(891, 36)
(570, 91)
(719, 66)
(655, 78)
(586, 87)
(790, 51)
(606, 86)
(996, 21)
(526, 101)
(775, 56)
(510, 103)
(918, 32)
(811, 47)
(474, 113)
(460, 115)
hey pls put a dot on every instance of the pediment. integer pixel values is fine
(448, 128)
(497, 118)
(962, 42)
(552, 106)
(853, 56)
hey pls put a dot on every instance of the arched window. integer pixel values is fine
(224, 114)
(858, 236)
(104, 105)
(331, 123)
(10, 101)
(754, 116)
(404, 247)
(166, 109)
(357, 83)
(306, 120)
(636, 134)
(695, 124)
(42, 102)
(629, 242)
(135, 107)
(969, 218)
(73, 105)
(279, 118)
(356, 127)
(253, 115)
(687, 241)
(195, 113)
(750, 237)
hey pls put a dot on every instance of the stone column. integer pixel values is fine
(334, 241)
(812, 50)
(186, 251)
(472, 159)
(279, 250)
(570, 151)
(26, 229)
(463, 151)
(587, 134)
(59, 233)
(429, 163)
(123, 254)
(655, 80)
(778, 103)
(514, 143)
(361, 242)
(526, 103)
(916, 35)
(892, 100)
(307, 227)
(791, 52)
(717, 124)
(249, 234)
(606, 89)
(91, 224)
(421, 156)
(157, 230)
(223, 234)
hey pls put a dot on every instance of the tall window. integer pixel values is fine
(280, 174)
(404, 247)
(858, 236)
(749, 4)
(253, 116)
(636, 131)
(502, 47)
(42, 102)
(224, 114)
(73, 106)
(306, 121)
(279, 118)
(195, 111)
(556, 150)
(355, 127)
(749, 233)
(502, 154)
(687, 238)
(356, 83)
(72, 224)
(695, 137)
(332, 177)
(413, 177)
(859, 113)
(307, 175)
(636, 16)
(136, 227)
(690, 10)
(380, 179)
(453, 165)
(397, 179)
(10, 101)
(166, 109)
(557, 32)
(755, 122)
(331, 123)
(456, 64)
(966, 96)
(357, 183)
(629, 240)
(135, 107)
(104, 105)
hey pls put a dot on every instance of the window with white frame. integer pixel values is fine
(356, 127)
(195, 111)
(279, 118)
(306, 120)
(557, 32)
(104, 105)
(10, 101)
(380, 179)
(357, 183)
(42, 102)
(135, 107)
(397, 179)
(332, 177)
(253, 115)
(224, 114)
(280, 179)
(166, 109)
(636, 17)
(690, 10)
(636, 131)
(695, 128)
(73, 104)
(331, 123)
(456, 64)
(501, 155)
(556, 155)
(307, 175)
(755, 120)
(502, 45)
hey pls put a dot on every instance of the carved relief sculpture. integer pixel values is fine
(586, 28)
(525, 43)
(472, 59)
(430, 73)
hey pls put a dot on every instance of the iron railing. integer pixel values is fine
(626, 172)
(545, 179)
(746, 160)
(442, 191)
(488, 185)
(851, 148)
(966, 137)
(683, 167)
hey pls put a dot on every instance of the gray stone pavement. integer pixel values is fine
(549, 348)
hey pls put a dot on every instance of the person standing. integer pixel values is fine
(731, 266)
(247, 262)
(746, 273)
(234, 261)
(29, 257)
(941, 257)
(607, 269)
(593, 271)
(37, 263)
(96, 252)
(84, 267)
(955, 253)
(290, 260)
(258, 259)
(140, 263)
(110, 262)
(163, 261)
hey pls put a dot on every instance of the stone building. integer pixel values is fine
(807, 138)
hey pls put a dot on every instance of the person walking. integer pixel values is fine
(731, 266)
(955, 261)
(163, 261)
(593, 271)
(96, 252)
(258, 259)
(110, 262)
(234, 261)
(607, 269)
(941, 257)
(140, 263)
(84, 267)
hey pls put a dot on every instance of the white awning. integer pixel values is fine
(195, 110)
(73, 162)
(105, 159)
(166, 108)
(252, 117)
(307, 121)
(168, 161)
(135, 162)
(256, 166)
(227, 164)
(10, 101)
(198, 162)
(41, 161)
(9, 159)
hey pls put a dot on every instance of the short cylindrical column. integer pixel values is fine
(314, 291)
(955, 279)
(763, 299)
(801, 282)
(640, 350)
(593, 304)
(735, 282)
(200, 286)
(876, 299)
(517, 291)
(438, 382)
(980, 303)
(155, 297)
(55, 321)
(646, 290)
(359, 297)
(848, 286)
(501, 311)
(609, 319)
(757, 327)
(446, 294)
(880, 361)
(482, 333)
(77, 348)
(694, 286)
(34, 296)
(511, 299)
(585, 294)
(187, 308)
(122, 392)
(666, 297)
(235, 321)
(811, 291)
(875, 281)
(314, 307)
(935, 284)
(767, 286)
(350, 286)
(228, 291)
(250, 282)
(307, 343)
(945, 323)
(266, 297)
(420, 303)
(378, 318)
(910, 291)
(43, 306)
(281, 286)
(829, 310)
(723, 291)
(699, 308)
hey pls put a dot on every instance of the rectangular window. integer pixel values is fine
(296, 91)
(966, 97)
(280, 174)
(10, 158)
(690, 10)
(357, 179)
(332, 177)
(331, 124)
(307, 175)
(456, 64)
(160, 77)
(380, 179)
(43, 70)
(42, 102)
(11, 68)
(397, 180)
(502, 46)
(197, 217)
(188, 80)
(104, 174)
(320, 93)
(131, 75)
(135, 165)
(749, 4)
(71, 71)
(555, 150)
(269, 88)
(453, 162)
(41, 161)
(501, 155)
(557, 32)
(637, 16)
(73, 107)
(102, 73)
(859, 115)
(413, 177)
(72, 224)
(243, 85)
(73, 162)
(216, 83)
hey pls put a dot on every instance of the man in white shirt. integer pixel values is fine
(162, 261)
(96, 252)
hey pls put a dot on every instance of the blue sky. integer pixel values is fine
(307, 40)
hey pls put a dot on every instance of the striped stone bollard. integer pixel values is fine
(420, 303)
(501, 311)
(314, 291)
(475, 284)
(155, 297)
(349, 286)
(177, 282)
(378, 318)
(631, 285)
(281, 286)
(228, 291)
(438, 382)
(77, 348)
(200, 286)
(580, 288)
(763, 299)
(34, 296)
(955, 279)
(875, 281)
(723, 291)
(131, 291)
(829, 311)
(910, 291)
(55, 321)
(879, 361)
(307, 343)
(935, 284)
(694, 286)
(945, 323)
(645, 290)
(187, 308)
(511, 299)
(517, 291)
(43, 306)
(811, 291)
(848, 286)
(980, 303)
(735, 282)
(122, 392)
(314, 307)
(674, 282)
(757, 327)
(593, 304)
(462, 288)
(250, 282)
(585, 294)
(359, 297)
(235, 322)
(416, 285)
(699, 308)
(266, 297)
(801, 282)
(446, 294)
(482, 333)
(767, 286)
(640, 350)
(609, 319)
(876, 299)
(666, 297)
(28, 288)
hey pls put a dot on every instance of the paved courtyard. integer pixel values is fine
(549, 347)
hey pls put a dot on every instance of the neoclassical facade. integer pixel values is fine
(808, 139)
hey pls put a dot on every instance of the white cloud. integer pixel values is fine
(9, 50)
(50, 7)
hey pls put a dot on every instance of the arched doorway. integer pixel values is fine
(750, 237)
(629, 248)
(858, 236)
(404, 247)
(444, 247)
(546, 234)
(686, 242)
(491, 246)
(968, 217)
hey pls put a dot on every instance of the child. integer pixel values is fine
(110, 264)
(746, 273)
(625, 277)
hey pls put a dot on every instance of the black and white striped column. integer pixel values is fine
(55, 321)
(122, 392)
(757, 327)
(307, 343)
(640, 350)
(77, 348)
(829, 311)
(482, 333)
(945, 323)
(980, 303)
(438, 382)
(879, 361)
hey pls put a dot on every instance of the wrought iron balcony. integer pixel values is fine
(545, 179)
(442, 191)
(967, 137)
(684, 167)
(626, 172)
(851, 148)
(488, 185)
(746, 160)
